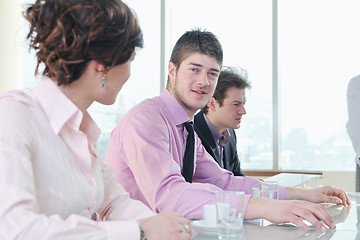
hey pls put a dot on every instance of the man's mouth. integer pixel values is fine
(200, 91)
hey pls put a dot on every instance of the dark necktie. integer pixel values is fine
(188, 161)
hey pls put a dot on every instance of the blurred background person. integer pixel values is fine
(353, 124)
(215, 123)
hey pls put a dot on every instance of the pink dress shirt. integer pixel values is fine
(146, 152)
(51, 178)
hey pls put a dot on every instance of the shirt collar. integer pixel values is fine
(61, 110)
(177, 112)
(220, 138)
(226, 139)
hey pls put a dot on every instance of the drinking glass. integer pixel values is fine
(229, 214)
(269, 189)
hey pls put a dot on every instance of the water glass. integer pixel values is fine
(308, 181)
(269, 189)
(229, 214)
(256, 192)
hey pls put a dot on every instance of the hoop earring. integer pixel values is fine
(102, 80)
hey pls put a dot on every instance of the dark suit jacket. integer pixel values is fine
(231, 159)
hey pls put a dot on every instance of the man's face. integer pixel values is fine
(194, 81)
(230, 113)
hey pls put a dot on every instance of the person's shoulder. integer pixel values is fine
(355, 80)
(147, 105)
(18, 110)
(232, 134)
(200, 125)
(19, 95)
(198, 115)
(17, 99)
(354, 87)
(357, 77)
(231, 130)
(146, 112)
(199, 118)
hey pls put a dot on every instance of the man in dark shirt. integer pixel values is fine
(215, 123)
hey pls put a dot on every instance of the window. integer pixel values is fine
(245, 32)
(144, 81)
(296, 109)
(318, 55)
(318, 48)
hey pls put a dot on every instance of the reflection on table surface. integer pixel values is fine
(346, 218)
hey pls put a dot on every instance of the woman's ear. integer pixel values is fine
(99, 67)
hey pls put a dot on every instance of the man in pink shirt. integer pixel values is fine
(146, 149)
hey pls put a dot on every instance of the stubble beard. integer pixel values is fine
(181, 98)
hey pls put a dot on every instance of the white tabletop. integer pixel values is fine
(294, 179)
(347, 220)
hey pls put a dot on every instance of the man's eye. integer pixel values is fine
(213, 74)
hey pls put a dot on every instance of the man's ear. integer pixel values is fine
(212, 104)
(172, 70)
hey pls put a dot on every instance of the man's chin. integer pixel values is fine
(237, 126)
(199, 105)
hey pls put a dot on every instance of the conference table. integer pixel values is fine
(346, 218)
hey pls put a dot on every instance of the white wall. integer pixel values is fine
(343, 179)
(11, 45)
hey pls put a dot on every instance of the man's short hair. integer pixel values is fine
(229, 77)
(196, 41)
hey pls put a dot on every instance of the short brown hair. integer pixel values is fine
(196, 41)
(67, 34)
(229, 77)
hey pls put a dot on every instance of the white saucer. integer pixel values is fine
(201, 227)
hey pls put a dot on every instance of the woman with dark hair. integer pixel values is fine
(52, 181)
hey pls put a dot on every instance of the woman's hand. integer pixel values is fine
(318, 195)
(285, 211)
(338, 213)
(166, 226)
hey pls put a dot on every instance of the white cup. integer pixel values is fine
(209, 211)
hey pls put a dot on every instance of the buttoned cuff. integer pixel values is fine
(282, 193)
